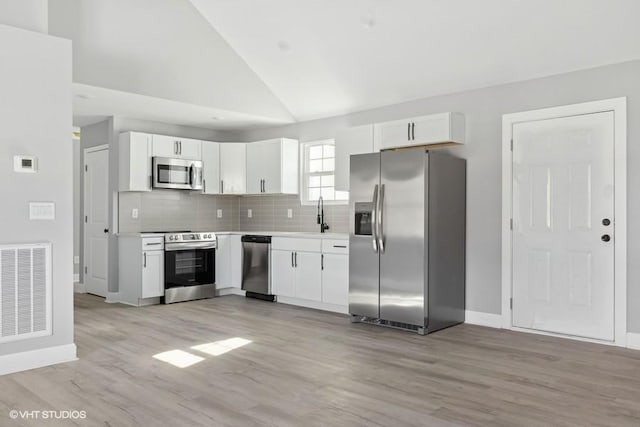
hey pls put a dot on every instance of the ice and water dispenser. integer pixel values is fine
(363, 218)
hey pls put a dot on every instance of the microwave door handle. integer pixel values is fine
(381, 220)
(374, 234)
(191, 175)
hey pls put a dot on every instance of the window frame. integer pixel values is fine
(305, 174)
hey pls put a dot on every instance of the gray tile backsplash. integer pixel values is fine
(270, 213)
(166, 210)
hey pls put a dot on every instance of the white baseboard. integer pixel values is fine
(291, 301)
(483, 319)
(633, 340)
(314, 304)
(229, 291)
(112, 297)
(79, 288)
(26, 360)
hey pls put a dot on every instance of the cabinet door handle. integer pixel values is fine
(296, 258)
(204, 185)
(408, 131)
(322, 262)
(340, 246)
(413, 131)
(292, 260)
(145, 260)
(221, 187)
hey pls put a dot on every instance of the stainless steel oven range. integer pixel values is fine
(189, 266)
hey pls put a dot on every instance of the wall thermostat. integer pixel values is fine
(28, 164)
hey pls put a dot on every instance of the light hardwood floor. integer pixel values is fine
(310, 368)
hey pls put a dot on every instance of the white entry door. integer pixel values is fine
(563, 225)
(96, 230)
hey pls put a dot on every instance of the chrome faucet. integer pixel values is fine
(323, 225)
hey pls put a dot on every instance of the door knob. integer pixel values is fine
(606, 238)
(106, 230)
(606, 222)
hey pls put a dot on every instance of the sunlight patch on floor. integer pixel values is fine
(221, 347)
(179, 358)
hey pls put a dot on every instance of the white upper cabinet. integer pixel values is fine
(176, 147)
(233, 168)
(210, 167)
(355, 140)
(135, 162)
(272, 166)
(424, 130)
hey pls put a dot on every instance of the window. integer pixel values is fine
(318, 166)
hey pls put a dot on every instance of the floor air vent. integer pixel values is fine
(25, 291)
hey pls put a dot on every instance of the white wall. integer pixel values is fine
(483, 110)
(160, 48)
(35, 119)
(27, 14)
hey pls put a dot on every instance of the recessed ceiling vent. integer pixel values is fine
(25, 291)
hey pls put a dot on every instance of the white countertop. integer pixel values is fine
(149, 234)
(298, 234)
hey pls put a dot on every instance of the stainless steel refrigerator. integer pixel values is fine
(407, 239)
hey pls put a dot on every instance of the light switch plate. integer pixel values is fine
(289, 213)
(134, 213)
(249, 213)
(76, 259)
(42, 210)
(219, 213)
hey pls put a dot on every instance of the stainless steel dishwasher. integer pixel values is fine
(256, 267)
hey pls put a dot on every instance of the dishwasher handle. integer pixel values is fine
(256, 239)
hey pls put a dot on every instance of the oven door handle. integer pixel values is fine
(169, 247)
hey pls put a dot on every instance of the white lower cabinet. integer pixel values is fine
(335, 279)
(308, 284)
(223, 262)
(228, 261)
(283, 275)
(296, 274)
(140, 269)
(152, 274)
(311, 270)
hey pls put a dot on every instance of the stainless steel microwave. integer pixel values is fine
(178, 174)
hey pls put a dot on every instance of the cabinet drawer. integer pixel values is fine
(296, 244)
(330, 246)
(153, 243)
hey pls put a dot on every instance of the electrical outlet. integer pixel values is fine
(219, 213)
(289, 213)
(134, 213)
(249, 213)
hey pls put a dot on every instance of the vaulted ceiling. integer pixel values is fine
(242, 63)
(323, 58)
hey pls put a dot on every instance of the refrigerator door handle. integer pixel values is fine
(380, 220)
(374, 225)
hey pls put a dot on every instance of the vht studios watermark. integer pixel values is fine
(16, 414)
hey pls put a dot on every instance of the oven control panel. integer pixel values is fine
(190, 237)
